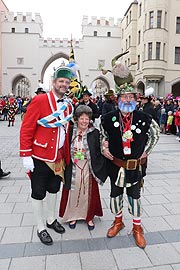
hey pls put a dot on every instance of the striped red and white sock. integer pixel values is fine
(119, 214)
(137, 221)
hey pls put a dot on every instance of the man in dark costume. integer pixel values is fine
(128, 137)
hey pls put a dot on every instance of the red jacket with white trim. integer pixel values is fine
(37, 141)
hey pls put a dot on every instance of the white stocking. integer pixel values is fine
(51, 207)
(37, 206)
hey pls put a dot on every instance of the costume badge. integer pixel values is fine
(138, 131)
(127, 150)
(114, 118)
(116, 124)
(133, 127)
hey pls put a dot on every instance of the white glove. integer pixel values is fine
(28, 163)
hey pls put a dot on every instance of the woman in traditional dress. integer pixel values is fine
(80, 196)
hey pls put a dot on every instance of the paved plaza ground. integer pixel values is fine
(81, 249)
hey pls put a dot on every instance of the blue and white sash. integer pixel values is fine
(46, 121)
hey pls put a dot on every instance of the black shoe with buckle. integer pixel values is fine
(56, 226)
(45, 237)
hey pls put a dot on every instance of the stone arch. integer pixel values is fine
(175, 87)
(99, 86)
(140, 87)
(21, 85)
(52, 59)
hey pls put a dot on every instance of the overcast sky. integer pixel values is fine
(63, 17)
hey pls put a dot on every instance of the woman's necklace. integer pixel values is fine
(79, 151)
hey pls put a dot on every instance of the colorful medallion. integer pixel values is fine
(127, 135)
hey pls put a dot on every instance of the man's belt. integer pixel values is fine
(130, 164)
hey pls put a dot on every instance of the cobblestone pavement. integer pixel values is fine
(81, 249)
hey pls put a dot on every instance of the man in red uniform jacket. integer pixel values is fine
(42, 147)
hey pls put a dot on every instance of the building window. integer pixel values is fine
(145, 21)
(151, 19)
(165, 20)
(144, 52)
(126, 43)
(159, 18)
(140, 10)
(138, 63)
(26, 30)
(177, 55)
(20, 60)
(122, 33)
(158, 47)
(127, 21)
(178, 25)
(129, 41)
(130, 16)
(95, 33)
(13, 30)
(139, 37)
(164, 51)
(108, 34)
(149, 50)
(128, 62)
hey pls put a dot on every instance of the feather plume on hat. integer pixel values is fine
(148, 91)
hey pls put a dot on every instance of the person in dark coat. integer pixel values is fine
(109, 104)
(87, 101)
(80, 196)
(147, 106)
(129, 136)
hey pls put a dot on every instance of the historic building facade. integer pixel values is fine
(26, 54)
(149, 30)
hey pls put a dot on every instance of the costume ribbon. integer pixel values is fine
(47, 121)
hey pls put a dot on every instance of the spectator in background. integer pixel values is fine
(87, 101)
(169, 122)
(100, 104)
(162, 121)
(26, 103)
(12, 109)
(177, 120)
(157, 108)
(109, 104)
